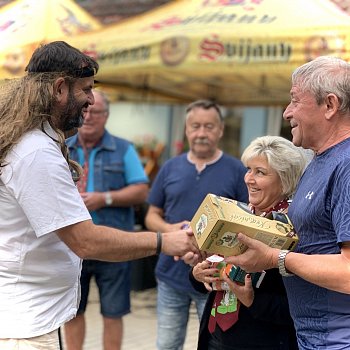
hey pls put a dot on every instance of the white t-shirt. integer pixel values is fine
(39, 274)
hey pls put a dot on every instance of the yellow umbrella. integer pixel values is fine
(25, 24)
(235, 51)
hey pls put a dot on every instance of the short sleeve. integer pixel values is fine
(42, 184)
(134, 172)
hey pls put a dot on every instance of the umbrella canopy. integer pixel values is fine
(238, 52)
(25, 24)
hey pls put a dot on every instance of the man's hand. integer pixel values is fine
(257, 257)
(191, 258)
(179, 243)
(93, 200)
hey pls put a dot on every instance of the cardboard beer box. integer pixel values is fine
(218, 220)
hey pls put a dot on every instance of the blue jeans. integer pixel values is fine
(172, 315)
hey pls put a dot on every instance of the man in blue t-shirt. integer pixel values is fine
(317, 274)
(113, 182)
(178, 190)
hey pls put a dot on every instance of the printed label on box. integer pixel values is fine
(201, 224)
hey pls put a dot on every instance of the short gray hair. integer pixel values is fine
(205, 104)
(325, 75)
(286, 159)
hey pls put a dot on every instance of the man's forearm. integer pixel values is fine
(91, 241)
(331, 271)
(129, 195)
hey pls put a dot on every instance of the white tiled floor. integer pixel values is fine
(139, 325)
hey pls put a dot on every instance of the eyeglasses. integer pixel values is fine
(96, 112)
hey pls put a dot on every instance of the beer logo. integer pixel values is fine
(211, 48)
(173, 51)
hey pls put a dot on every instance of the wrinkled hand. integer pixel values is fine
(244, 292)
(257, 257)
(204, 272)
(93, 200)
(179, 243)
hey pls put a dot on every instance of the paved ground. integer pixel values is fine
(139, 326)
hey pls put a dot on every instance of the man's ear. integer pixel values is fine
(60, 89)
(222, 127)
(332, 104)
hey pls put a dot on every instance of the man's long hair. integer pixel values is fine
(25, 105)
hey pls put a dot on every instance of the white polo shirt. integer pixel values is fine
(39, 274)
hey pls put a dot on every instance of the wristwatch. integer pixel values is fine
(282, 263)
(108, 199)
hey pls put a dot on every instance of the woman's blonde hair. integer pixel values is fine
(286, 159)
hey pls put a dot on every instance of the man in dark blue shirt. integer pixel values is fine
(317, 274)
(178, 190)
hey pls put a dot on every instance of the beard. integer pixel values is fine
(72, 123)
(72, 114)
